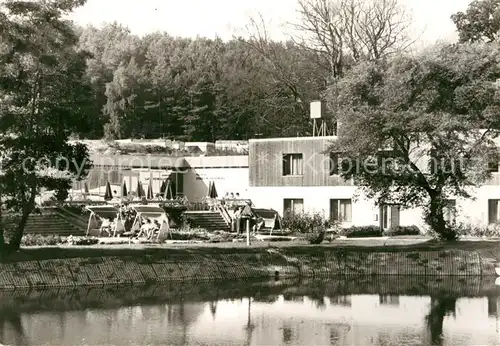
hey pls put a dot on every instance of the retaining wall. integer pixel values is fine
(165, 266)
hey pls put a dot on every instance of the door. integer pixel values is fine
(389, 216)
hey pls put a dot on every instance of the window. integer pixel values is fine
(341, 210)
(449, 211)
(341, 300)
(292, 164)
(493, 215)
(334, 164)
(293, 205)
(492, 306)
(385, 299)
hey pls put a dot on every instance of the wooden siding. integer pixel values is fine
(266, 162)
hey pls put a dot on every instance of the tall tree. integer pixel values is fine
(417, 130)
(42, 90)
(480, 22)
(338, 31)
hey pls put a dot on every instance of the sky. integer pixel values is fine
(225, 18)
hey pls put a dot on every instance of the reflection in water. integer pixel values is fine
(439, 308)
(283, 313)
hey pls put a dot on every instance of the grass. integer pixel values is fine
(487, 249)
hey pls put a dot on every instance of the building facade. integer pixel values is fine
(283, 173)
(299, 174)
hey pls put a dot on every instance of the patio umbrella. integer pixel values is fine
(213, 191)
(86, 188)
(168, 190)
(163, 187)
(108, 194)
(209, 192)
(150, 191)
(139, 190)
(173, 189)
(124, 189)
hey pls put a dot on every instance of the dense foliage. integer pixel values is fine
(43, 100)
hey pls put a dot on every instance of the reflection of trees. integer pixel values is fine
(249, 326)
(341, 300)
(12, 318)
(440, 307)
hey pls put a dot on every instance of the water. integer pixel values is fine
(366, 311)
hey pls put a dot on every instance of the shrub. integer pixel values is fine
(467, 229)
(362, 232)
(315, 237)
(403, 230)
(313, 225)
(82, 241)
(41, 240)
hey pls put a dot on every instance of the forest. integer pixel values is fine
(205, 89)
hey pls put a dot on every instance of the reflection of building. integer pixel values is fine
(123, 326)
(366, 321)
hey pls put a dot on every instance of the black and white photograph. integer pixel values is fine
(265, 172)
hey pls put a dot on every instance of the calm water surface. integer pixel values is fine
(369, 311)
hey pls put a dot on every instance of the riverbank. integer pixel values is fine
(98, 265)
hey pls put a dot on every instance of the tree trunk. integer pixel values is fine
(435, 217)
(2, 235)
(15, 241)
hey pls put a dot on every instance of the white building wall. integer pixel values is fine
(317, 199)
(229, 173)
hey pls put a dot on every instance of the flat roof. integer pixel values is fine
(281, 139)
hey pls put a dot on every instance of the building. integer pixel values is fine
(284, 173)
(190, 175)
(296, 174)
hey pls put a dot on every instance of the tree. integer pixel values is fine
(417, 130)
(339, 31)
(292, 78)
(480, 22)
(124, 103)
(43, 95)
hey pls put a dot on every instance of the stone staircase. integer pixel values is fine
(53, 221)
(209, 220)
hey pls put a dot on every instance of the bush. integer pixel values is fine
(41, 240)
(82, 241)
(315, 237)
(141, 149)
(403, 230)
(362, 232)
(467, 229)
(313, 225)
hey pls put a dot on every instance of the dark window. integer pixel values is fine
(292, 164)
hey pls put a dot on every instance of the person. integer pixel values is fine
(259, 223)
(105, 226)
(231, 195)
(237, 196)
(236, 221)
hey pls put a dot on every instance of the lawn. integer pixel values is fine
(488, 249)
